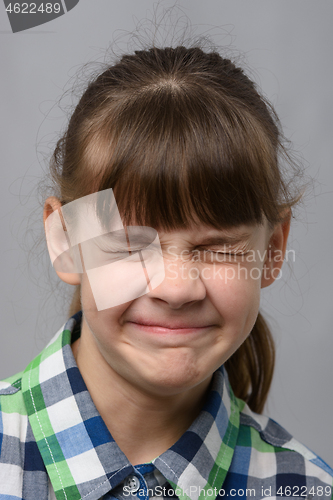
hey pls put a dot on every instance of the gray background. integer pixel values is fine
(288, 45)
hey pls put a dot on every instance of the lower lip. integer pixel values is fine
(161, 329)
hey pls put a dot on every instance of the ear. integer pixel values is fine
(275, 250)
(58, 243)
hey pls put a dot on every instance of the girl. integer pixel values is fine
(170, 215)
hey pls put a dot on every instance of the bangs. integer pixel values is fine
(173, 161)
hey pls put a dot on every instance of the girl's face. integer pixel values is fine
(174, 337)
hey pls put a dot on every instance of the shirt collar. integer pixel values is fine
(79, 453)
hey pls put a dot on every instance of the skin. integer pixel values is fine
(150, 384)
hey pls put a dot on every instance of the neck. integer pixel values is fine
(142, 423)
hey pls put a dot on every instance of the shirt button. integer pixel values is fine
(132, 483)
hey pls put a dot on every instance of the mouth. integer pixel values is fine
(168, 328)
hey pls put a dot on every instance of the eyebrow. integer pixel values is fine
(121, 236)
(225, 240)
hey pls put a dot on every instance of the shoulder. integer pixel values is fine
(21, 464)
(13, 434)
(14, 405)
(273, 452)
(13, 413)
(11, 400)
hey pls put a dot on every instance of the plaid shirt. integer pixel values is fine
(55, 445)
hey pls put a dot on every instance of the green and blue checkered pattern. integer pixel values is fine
(55, 446)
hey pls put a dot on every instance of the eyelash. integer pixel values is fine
(117, 251)
(198, 249)
(212, 256)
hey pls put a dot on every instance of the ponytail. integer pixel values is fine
(250, 368)
(76, 301)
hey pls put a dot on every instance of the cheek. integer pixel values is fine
(236, 294)
(107, 317)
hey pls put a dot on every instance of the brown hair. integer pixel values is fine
(182, 135)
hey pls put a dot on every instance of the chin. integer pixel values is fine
(174, 379)
(169, 387)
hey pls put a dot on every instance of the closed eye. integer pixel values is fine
(223, 251)
(219, 255)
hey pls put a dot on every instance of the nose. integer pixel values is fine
(182, 284)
